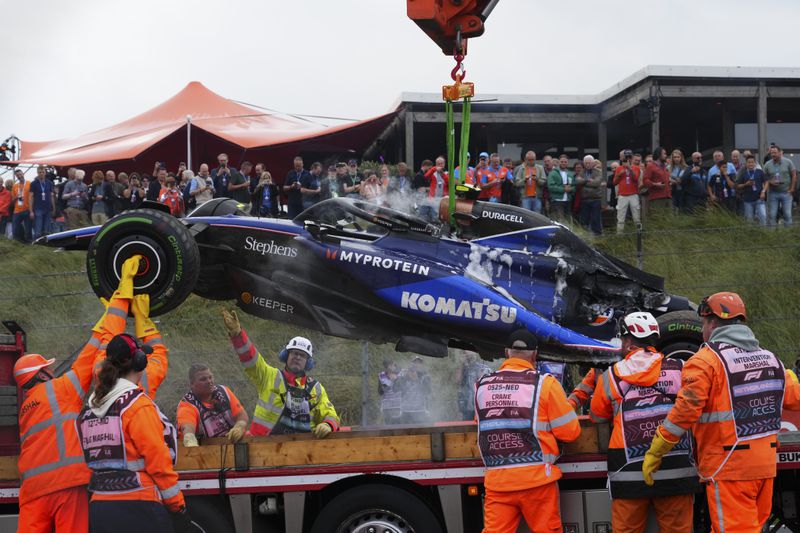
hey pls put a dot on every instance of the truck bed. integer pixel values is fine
(429, 455)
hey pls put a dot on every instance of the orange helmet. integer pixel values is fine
(28, 366)
(725, 305)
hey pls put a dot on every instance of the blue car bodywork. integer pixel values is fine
(352, 269)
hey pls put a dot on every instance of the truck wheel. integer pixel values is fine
(376, 508)
(681, 334)
(171, 262)
(209, 514)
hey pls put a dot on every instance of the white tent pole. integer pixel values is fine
(189, 142)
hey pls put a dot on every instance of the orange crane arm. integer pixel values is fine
(451, 22)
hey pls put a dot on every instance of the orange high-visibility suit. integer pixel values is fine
(521, 417)
(581, 394)
(54, 475)
(638, 392)
(736, 447)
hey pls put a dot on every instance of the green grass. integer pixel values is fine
(696, 260)
(57, 326)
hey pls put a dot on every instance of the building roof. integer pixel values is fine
(650, 71)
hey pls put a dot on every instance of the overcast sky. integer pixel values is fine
(76, 66)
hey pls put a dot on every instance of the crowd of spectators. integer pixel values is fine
(563, 188)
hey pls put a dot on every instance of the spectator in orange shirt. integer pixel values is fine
(529, 179)
(209, 410)
(20, 220)
(172, 197)
(491, 179)
(626, 179)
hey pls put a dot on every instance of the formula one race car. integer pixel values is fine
(353, 269)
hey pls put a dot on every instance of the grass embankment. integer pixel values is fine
(46, 293)
(701, 255)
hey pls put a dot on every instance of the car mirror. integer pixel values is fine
(312, 228)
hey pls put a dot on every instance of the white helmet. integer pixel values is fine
(302, 344)
(639, 324)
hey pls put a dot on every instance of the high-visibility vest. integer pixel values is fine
(507, 404)
(638, 411)
(755, 384)
(735, 427)
(273, 392)
(548, 419)
(51, 458)
(215, 421)
(119, 470)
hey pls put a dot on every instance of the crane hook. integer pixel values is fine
(459, 66)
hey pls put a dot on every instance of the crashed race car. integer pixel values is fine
(356, 270)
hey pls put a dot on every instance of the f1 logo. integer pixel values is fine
(493, 412)
(646, 401)
(755, 374)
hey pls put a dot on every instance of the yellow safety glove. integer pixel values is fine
(652, 459)
(98, 328)
(232, 325)
(322, 430)
(189, 440)
(237, 431)
(129, 269)
(140, 306)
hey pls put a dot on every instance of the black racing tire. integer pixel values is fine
(385, 507)
(209, 512)
(171, 265)
(681, 334)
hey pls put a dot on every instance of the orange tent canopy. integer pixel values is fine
(217, 123)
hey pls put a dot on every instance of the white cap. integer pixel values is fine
(302, 344)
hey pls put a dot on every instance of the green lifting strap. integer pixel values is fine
(451, 148)
(463, 148)
(464, 139)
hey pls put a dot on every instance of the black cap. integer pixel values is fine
(627, 153)
(123, 347)
(522, 339)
